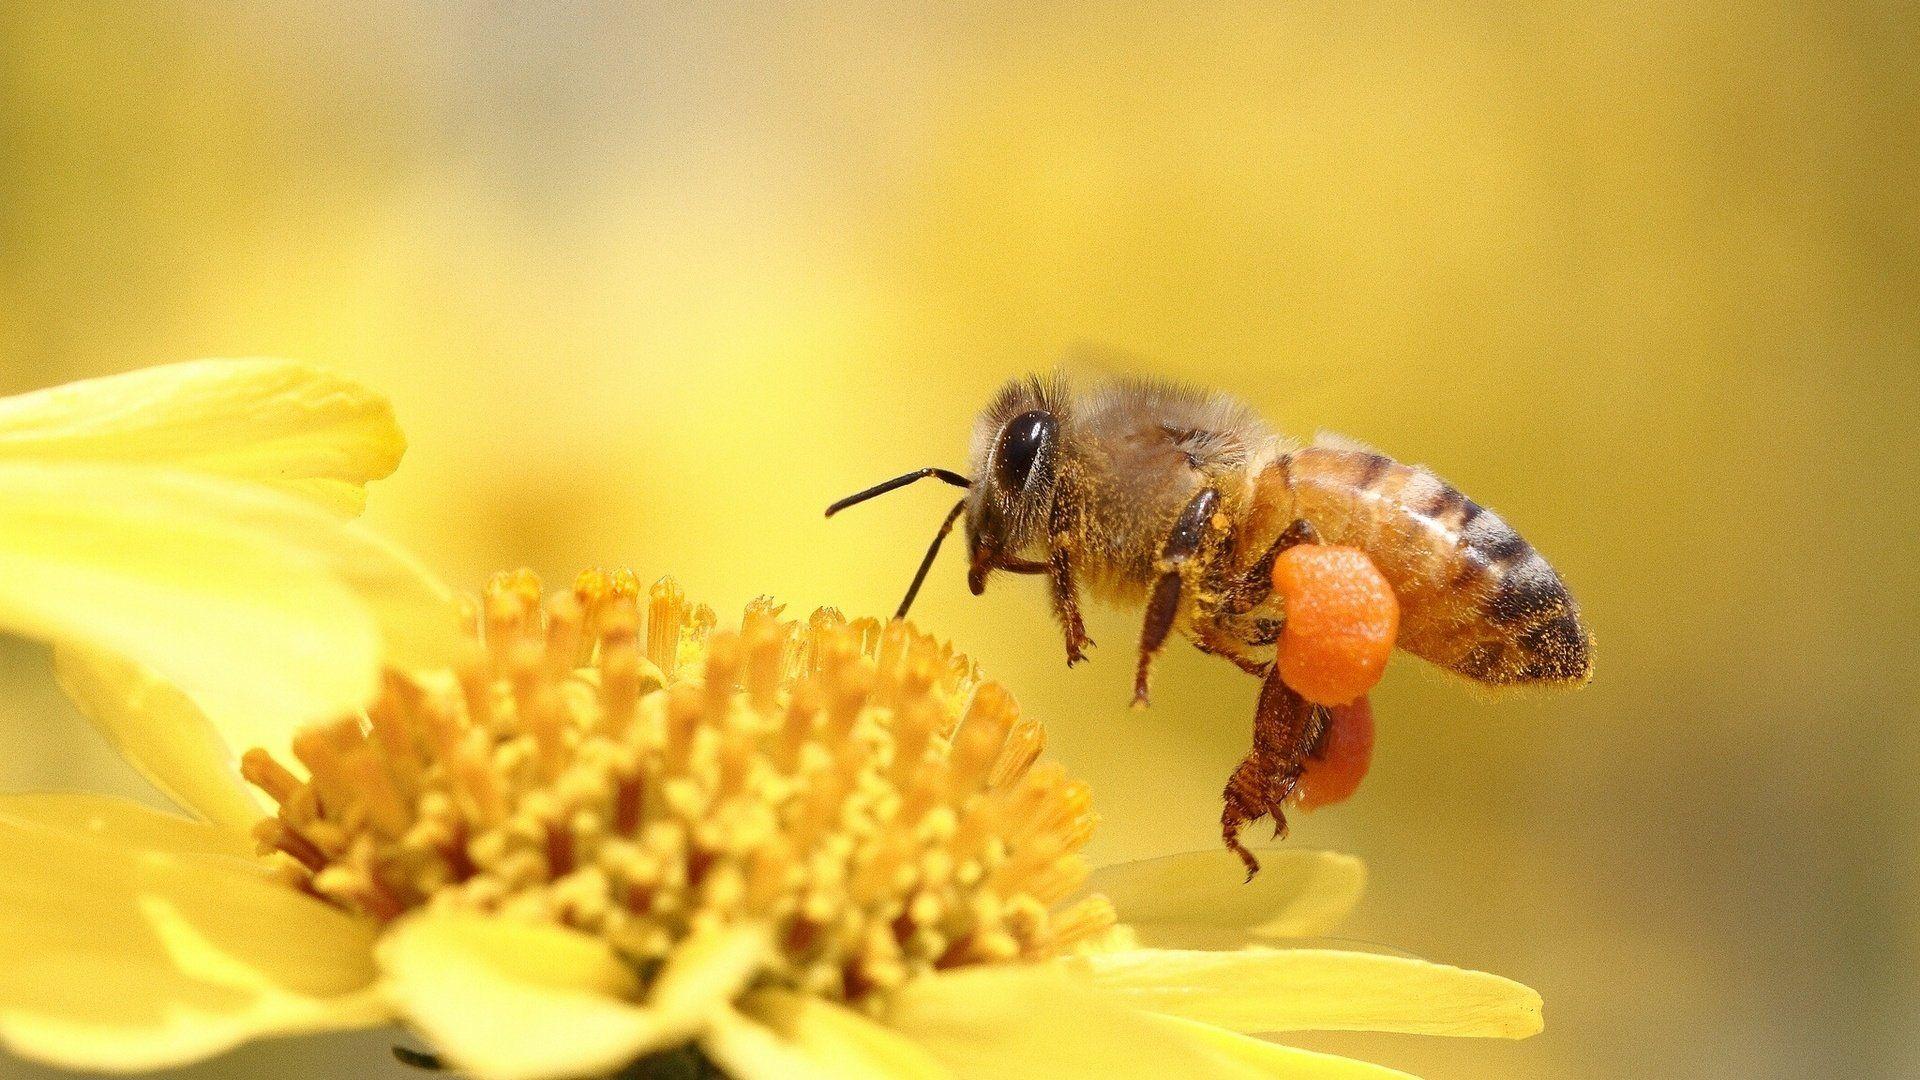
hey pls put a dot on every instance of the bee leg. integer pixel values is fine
(1066, 595)
(1285, 727)
(1163, 604)
(1256, 584)
(1066, 604)
(1213, 645)
(1161, 608)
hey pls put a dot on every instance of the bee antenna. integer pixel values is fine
(933, 550)
(898, 482)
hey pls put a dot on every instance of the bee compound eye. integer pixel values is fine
(1020, 444)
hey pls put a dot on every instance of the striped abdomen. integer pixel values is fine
(1475, 597)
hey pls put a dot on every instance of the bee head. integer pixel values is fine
(1007, 507)
(1014, 465)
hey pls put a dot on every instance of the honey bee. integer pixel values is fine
(1177, 502)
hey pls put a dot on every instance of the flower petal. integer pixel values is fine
(114, 959)
(1273, 1059)
(160, 731)
(745, 1050)
(1010, 1022)
(1201, 898)
(518, 1001)
(291, 425)
(265, 610)
(125, 823)
(708, 971)
(1258, 990)
(821, 1037)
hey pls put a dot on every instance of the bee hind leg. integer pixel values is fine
(1285, 728)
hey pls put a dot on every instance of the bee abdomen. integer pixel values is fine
(1538, 635)
(1475, 597)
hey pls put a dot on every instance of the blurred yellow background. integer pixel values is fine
(651, 285)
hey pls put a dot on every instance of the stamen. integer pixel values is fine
(854, 784)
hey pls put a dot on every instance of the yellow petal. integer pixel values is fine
(1007, 1023)
(708, 971)
(821, 1037)
(745, 1050)
(161, 731)
(264, 609)
(1256, 990)
(115, 959)
(518, 1001)
(694, 994)
(1272, 1059)
(1202, 898)
(294, 426)
(126, 823)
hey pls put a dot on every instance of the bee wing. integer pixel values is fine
(1088, 363)
(1336, 441)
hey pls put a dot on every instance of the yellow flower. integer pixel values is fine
(821, 848)
(186, 521)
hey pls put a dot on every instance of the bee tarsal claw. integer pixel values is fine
(1230, 835)
(1256, 789)
(1077, 648)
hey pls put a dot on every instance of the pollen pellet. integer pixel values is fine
(1339, 761)
(1341, 620)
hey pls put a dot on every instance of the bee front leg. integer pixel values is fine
(1177, 553)
(1066, 594)
(1066, 605)
(1285, 727)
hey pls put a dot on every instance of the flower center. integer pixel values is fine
(639, 776)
